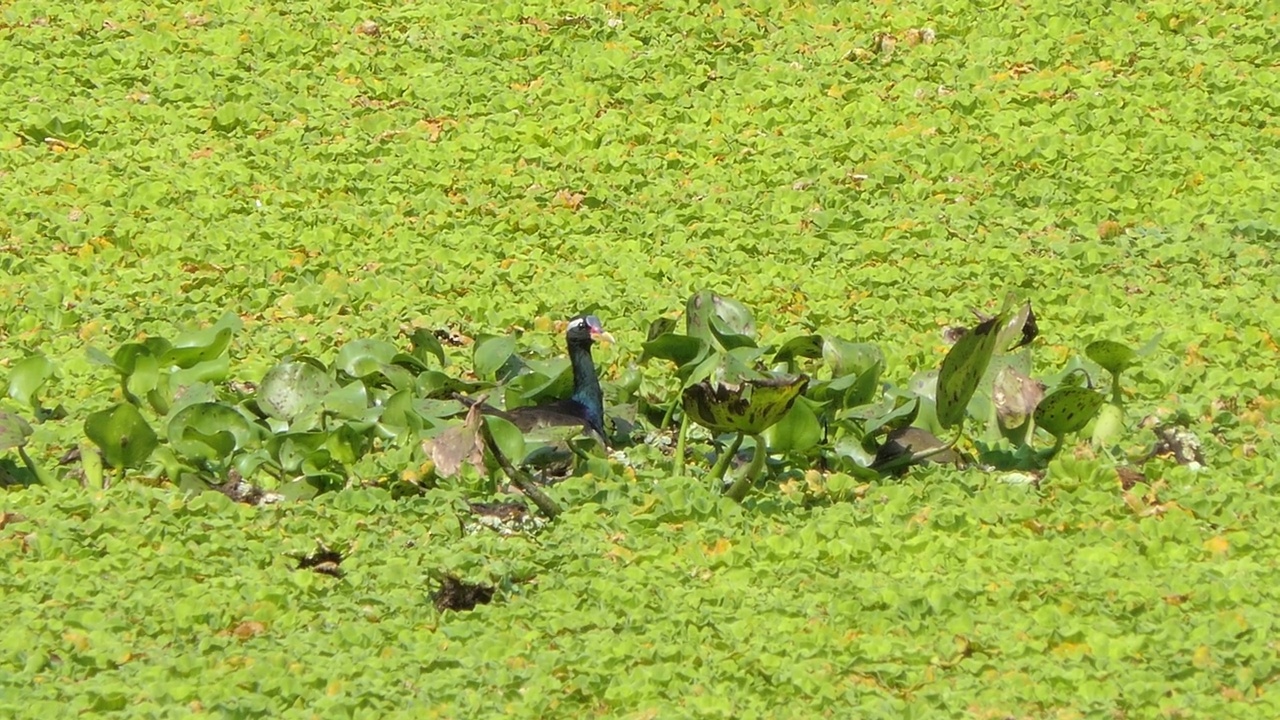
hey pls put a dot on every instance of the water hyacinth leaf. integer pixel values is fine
(123, 435)
(508, 437)
(679, 349)
(14, 431)
(144, 374)
(1020, 329)
(292, 449)
(749, 407)
(346, 444)
(902, 413)
(97, 357)
(126, 356)
(797, 431)
(732, 317)
(290, 388)
(924, 384)
(491, 353)
(692, 373)
(434, 383)
(697, 315)
(962, 370)
(191, 349)
(850, 358)
(214, 370)
(1067, 409)
(426, 344)
(350, 401)
(1015, 396)
(363, 357)
(27, 377)
(398, 413)
(727, 338)
(805, 346)
(209, 426)
(658, 328)
(1114, 357)
(435, 408)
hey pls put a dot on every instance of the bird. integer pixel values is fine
(585, 405)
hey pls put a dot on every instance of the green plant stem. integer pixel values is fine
(522, 479)
(1058, 442)
(1117, 397)
(722, 463)
(677, 465)
(738, 490)
(671, 411)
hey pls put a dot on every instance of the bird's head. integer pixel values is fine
(587, 329)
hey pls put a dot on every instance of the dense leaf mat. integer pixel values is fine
(933, 598)
(330, 170)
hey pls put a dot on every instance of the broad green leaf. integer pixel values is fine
(425, 343)
(27, 377)
(144, 375)
(679, 349)
(123, 435)
(749, 407)
(849, 358)
(291, 387)
(491, 353)
(214, 370)
(797, 431)
(350, 401)
(962, 370)
(658, 328)
(14, 431)
(197, 347)
(434, 383)
(1020, 329)
(1067, 410)
(365, 356)
(901, 413)
(210, 430)
(807, 346)
(1114, 357)
(292, 449)
(508, 438)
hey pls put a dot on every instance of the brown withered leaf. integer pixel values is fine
(458, 445)
(1015, 396)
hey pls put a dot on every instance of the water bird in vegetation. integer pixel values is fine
(585, 406)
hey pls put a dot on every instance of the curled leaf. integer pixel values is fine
(749, 407)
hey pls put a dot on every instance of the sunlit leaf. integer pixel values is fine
(123, 435)
(1068, 409)
(1114, 357)
(292, 387)
(14, 431)
(797, 431)
(962, 370)
(27, 377)
(491, 352)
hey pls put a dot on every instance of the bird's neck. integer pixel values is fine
(586, 386)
